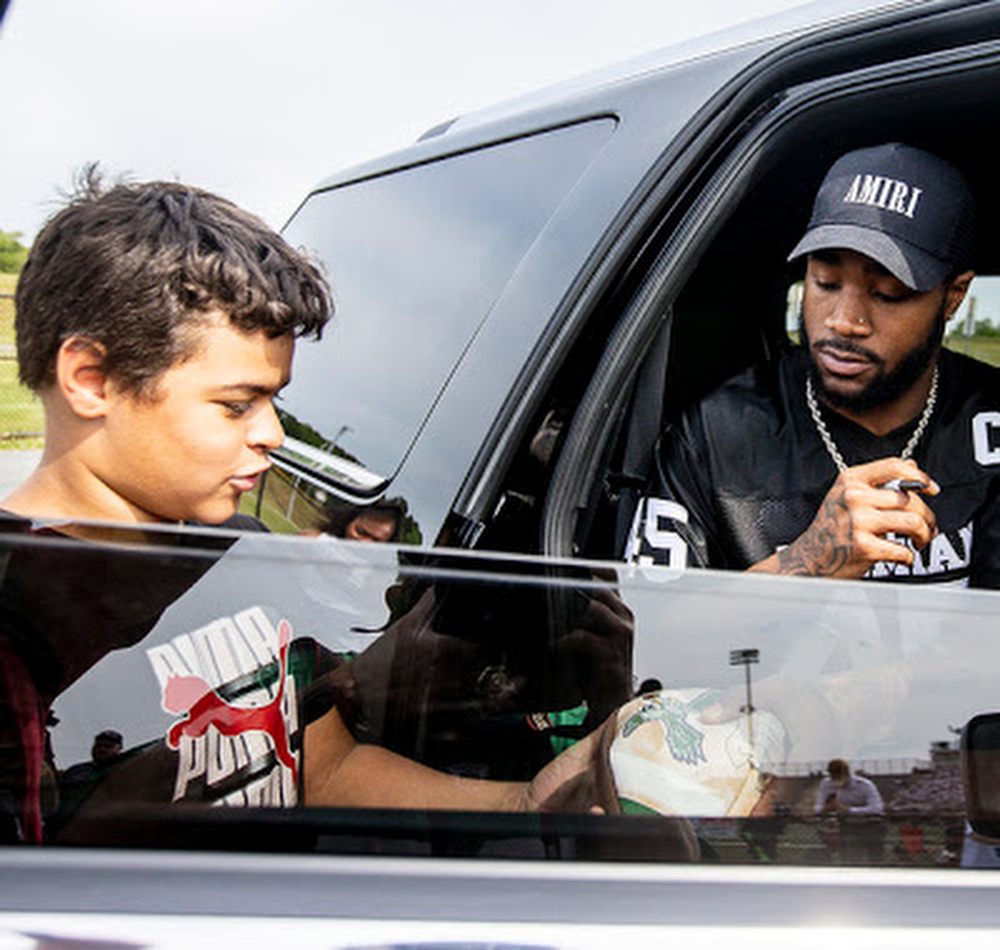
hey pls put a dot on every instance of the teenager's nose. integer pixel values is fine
(266, 432)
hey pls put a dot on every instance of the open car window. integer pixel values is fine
(480, 667)
(717, 281)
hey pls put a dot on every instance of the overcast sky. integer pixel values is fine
(259, 100)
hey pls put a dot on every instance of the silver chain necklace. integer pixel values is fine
(831, 446)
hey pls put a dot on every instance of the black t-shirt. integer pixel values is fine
(743, 473)
(64, 605)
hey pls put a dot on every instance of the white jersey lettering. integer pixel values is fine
(651, 540)
(986, 437)
(947, 553)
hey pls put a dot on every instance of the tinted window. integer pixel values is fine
(416, 260)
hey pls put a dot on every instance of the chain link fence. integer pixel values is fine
(20, 410)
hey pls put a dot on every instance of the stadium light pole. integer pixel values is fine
(746, 658)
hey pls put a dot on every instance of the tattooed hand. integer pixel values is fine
(850, 531)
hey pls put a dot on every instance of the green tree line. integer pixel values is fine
(12, 252)
(979, 328)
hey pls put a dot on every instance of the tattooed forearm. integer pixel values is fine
(825, 548)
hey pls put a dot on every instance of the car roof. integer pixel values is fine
(770, 31)
(596, 91)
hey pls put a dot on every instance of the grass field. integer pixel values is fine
(7, 284)
(20, 410)
(285, 508)
(985, 348)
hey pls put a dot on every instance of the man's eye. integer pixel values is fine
(237, 409)
(892, 296)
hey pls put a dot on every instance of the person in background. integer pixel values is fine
(855, 802)
(79, 780)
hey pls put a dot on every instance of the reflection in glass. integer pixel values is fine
(211, 655)
(294, 500)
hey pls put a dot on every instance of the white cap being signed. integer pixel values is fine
(667, 758)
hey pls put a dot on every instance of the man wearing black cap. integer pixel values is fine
(868, 451)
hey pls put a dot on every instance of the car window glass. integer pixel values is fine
(720, 699)
(416, 259)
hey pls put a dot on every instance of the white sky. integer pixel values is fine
(259, 100)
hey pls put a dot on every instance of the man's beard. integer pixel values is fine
(886, 387)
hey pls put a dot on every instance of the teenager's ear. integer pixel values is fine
(81, 378)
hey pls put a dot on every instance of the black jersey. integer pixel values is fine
(743, 473)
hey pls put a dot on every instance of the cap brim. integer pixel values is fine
(908, 264)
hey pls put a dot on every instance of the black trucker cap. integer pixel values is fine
(901, 206)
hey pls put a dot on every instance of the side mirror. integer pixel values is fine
(981, 773)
